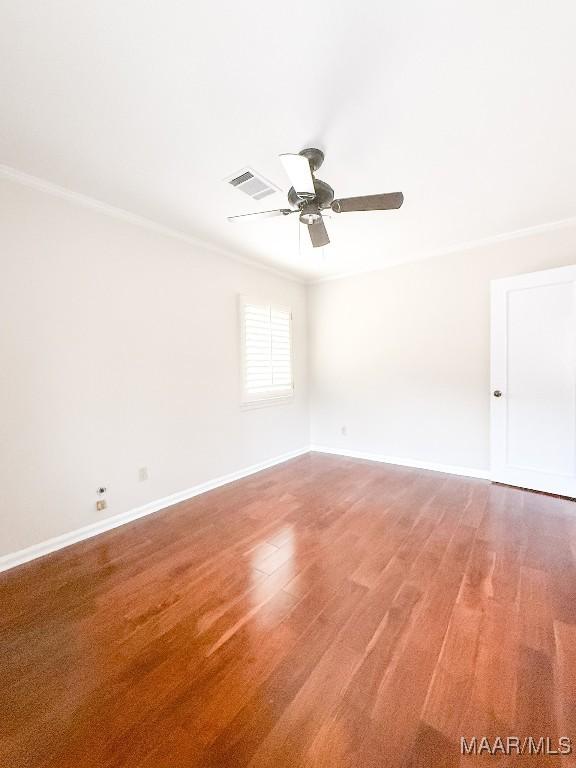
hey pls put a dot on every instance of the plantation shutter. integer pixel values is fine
(267, 352)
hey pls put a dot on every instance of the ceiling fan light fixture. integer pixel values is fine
(310, 217)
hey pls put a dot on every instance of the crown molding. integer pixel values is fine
(50, 188)
(27, 180)
(517, 234)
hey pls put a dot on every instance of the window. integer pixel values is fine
(266, 352)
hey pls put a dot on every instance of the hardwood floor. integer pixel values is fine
(327, 612)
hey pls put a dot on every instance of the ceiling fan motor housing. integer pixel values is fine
(322, 199)
(314, 156)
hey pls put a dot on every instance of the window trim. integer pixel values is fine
(248, 401)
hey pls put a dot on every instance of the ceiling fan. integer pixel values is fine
(309, 196)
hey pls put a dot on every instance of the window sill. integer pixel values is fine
(251, 404)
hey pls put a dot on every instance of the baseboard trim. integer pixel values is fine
(449, 469)
(14, 559)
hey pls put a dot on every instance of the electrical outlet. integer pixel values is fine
(344, 430)
(143, 474)
(101, 505)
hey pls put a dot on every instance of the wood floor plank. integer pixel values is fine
(325, 612)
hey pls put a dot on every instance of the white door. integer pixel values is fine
(533, 436)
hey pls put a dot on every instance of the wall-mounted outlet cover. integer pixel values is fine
(101, 505)
(143, 474)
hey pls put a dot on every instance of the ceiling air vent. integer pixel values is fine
(252, 183)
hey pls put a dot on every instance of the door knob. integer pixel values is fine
(497, 393)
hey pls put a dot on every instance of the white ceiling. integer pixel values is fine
(468, 108)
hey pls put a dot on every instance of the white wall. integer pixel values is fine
(119, 349)
(401, 357)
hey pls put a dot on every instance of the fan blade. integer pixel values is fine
(318, 234)
(385, 202)
(245, 218)
(298, 171)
